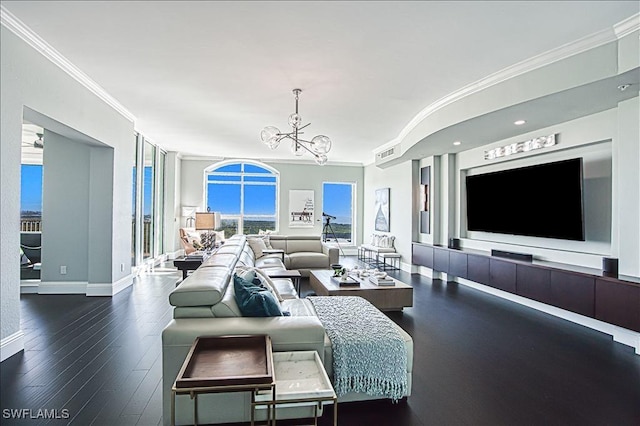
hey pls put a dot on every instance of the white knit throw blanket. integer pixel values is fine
(369, 354)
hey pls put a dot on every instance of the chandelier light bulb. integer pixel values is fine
(321, 159)
(321, 144)
(267, 133)
(295, 120)
(273, 142)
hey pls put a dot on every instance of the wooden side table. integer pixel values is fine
(227, 364)
(187, 264)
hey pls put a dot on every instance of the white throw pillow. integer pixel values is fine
(262, 276)
(267, 282)
(193, 236)
(247, 274)
(257, 245)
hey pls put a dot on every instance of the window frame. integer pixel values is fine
(272, 172)
(353, 208)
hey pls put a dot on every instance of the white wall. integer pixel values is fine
(65, 207)
(30, 81)
(402, 208)
(626, 178)
(292, 176)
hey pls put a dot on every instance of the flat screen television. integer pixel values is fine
(544, 200)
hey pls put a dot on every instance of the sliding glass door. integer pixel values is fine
(147, 202)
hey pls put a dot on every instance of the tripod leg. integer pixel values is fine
(335, 238)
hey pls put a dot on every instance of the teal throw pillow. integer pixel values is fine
(255, 301)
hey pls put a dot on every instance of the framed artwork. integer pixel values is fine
(301, 206)
(382, 209)
(425, 178)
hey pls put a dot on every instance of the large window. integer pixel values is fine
(245, 194)
(337, 201)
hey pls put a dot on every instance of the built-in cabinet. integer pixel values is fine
(585, 292)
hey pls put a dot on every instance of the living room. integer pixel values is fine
(581, 87)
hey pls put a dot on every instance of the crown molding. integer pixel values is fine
(191, 157)
(20, 29)
(562, 52)
(626, 27)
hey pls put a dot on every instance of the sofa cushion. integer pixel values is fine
(304, 243)
(298, 307)
(205, 286)
(246, 274)
(220, 260)
(270, 262)
(227, 307)
(246, 258)
(257, 245)
(308, 260)
(253, 300)
(285, 289)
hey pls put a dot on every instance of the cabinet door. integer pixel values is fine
(573, 292)
(502, 275)
(478, 268)
(618, 303)
(458, 264)
(441, 260)
(533, 282)
(422, 255)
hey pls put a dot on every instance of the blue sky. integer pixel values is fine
(31, 188)
(336, 201)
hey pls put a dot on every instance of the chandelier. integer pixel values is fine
(318, 146)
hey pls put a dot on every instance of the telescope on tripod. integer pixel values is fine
(328, 229)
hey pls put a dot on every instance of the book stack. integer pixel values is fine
(387, 281)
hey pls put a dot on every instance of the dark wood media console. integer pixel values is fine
(581, 290)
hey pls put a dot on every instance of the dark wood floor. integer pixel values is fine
(478, 360)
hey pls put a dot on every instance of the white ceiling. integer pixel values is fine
(205, 77)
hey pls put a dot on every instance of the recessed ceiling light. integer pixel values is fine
(457, 143)
(519, 122)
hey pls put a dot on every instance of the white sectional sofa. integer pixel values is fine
(204, 305)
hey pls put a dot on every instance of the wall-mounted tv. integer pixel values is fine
(544, 200)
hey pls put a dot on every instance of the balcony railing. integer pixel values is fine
(30, 225)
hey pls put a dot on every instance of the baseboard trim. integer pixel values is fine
(109, 289)
(619, 334)
(11, 345)
(63, 287)
(29, 286)
(176, 254)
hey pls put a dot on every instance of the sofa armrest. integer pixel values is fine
(287, 333)
(332, 252)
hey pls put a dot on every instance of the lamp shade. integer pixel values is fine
(208, 221)
(205, 221)
(188, 211)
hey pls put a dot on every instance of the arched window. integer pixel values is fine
(246, 195)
